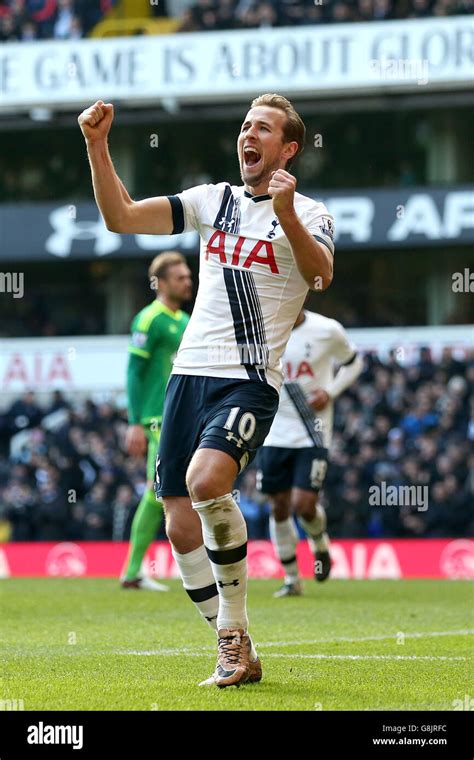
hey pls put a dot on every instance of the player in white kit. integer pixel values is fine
(292, 462)
(262, 246)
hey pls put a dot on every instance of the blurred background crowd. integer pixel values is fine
(26, 20)
(65, 474)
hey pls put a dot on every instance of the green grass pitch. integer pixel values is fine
(85, 644)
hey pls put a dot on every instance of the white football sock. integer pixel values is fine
(315, 530)
(199, 582)
(225, 538)
(285, 540)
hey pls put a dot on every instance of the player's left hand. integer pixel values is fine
(135, 440)
(319, 399)
(281, 188)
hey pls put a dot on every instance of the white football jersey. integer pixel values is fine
(250, 289)
(315, 346)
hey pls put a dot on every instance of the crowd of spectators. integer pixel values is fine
(72, 479)
(398, 425)
(26, 20)
(404, 426)
(210, 15)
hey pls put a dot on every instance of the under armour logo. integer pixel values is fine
(275, 224)
(238, 441)
(229, 223)
(67, 229)
(221, 584)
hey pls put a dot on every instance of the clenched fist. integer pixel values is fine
(281, 189)
(95, 121)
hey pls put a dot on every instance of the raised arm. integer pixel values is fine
(121, 214)
(313, 259)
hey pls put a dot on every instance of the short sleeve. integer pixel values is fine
(186, 208)
(320, 224)
(342, 349)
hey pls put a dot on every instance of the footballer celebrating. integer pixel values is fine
(156, 334)
(262, 246)
(294, 458)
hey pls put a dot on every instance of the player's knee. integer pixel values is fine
(180, 537)
(182, 525)
(304, 505)
(206, 482)
(197, 483)
(202, 487)
(280, 507)
(171, 525)
(176, 535)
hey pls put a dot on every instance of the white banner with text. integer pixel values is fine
(335, 59)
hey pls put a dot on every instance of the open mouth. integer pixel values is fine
(251, 157)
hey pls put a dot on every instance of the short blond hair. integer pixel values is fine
(294, 129)
(160, 265)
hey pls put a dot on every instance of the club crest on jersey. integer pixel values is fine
(139, 339)
(272, 232)
(243, 252)
(327, 227)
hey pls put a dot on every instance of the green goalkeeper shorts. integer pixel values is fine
(153, 437)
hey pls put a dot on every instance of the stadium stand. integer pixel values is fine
(68, 476)
(26, 20)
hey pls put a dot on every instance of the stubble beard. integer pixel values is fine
(264, 174)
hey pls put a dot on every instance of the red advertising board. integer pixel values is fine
(370, 559)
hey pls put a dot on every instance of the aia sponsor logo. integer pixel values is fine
(294, 371)
(243, 252)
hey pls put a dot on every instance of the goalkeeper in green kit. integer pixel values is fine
(157, 331)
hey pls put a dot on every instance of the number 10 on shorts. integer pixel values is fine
(245, 427)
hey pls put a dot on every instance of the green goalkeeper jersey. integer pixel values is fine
(156, 335)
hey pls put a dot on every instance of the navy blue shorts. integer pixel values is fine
(230, 415)
(280, 469)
